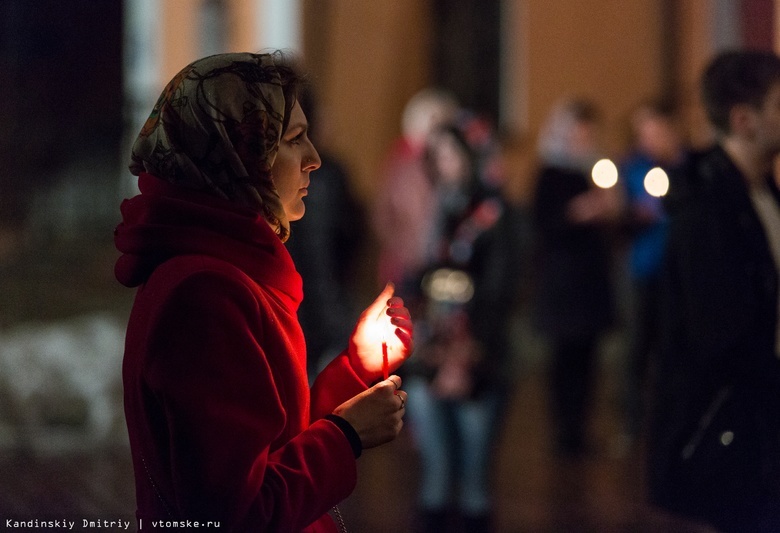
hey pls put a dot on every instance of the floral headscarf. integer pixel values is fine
(216, 128)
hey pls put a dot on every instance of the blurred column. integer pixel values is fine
(513, 112)
(181, 33)
(696, 41)
(143, 57)
(726, 24)
(256, 25)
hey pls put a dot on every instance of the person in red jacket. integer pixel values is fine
(224, 429)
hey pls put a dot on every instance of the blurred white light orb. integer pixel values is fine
(656, 182)
(604, 173)
(448, 285)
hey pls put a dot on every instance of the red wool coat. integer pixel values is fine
(221, 420)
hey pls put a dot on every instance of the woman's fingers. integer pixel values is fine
(402, 323)
(404, 326)
(398, 312)
(407, 341)
(402, 396)
(376, 414)
(395, 380)
(381, 301)
(395, 301)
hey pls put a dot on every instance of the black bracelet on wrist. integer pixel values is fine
(349, 432)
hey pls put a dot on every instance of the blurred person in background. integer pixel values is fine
(656, 142)
(222, 423)
(404, 196)
(325, 247)
(714, 441)
(463, 287)
(573, 294)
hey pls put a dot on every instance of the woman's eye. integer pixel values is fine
(297, 138)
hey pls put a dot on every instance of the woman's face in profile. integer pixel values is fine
(295, 159)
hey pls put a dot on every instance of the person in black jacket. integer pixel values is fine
(573, 302)
(713, 443)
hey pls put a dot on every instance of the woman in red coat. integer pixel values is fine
(223, 427)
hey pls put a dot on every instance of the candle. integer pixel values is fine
(385, 364)
(381, 330)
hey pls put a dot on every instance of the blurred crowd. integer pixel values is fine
(632, 242)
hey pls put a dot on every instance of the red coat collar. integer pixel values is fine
(166, 221)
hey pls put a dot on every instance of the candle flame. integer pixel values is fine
(381, 331)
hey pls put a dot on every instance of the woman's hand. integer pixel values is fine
(386, 320)
(376, 414)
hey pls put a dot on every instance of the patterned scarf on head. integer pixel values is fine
(216, 128)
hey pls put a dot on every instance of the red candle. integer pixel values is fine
(385, 366)
(381, 330)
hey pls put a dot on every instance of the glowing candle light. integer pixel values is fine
(385, 364)
(604, 173)
(381, 332)
(656, 182)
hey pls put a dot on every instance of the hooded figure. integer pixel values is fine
(222, 424)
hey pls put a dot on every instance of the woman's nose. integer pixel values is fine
(313, 161)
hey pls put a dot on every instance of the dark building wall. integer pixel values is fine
(60, 92)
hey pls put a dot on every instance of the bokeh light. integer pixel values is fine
(604, 173)
(656, 182)
(449, 285)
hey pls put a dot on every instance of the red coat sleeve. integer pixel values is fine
(336, 384)
(224, 411)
